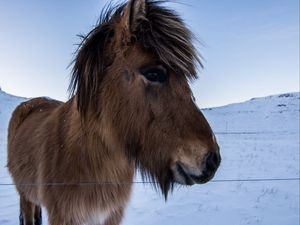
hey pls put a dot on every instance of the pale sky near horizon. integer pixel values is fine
(250, 47)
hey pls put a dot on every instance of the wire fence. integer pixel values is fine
(146, 182)
(281, 179)
(256, 132)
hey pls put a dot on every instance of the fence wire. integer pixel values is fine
(151, 182)
(147, 182)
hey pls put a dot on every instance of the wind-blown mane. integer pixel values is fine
(161, 32)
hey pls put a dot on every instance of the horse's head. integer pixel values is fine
(131, 73)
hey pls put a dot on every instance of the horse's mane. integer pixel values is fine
(161, 32)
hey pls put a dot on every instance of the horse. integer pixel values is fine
(130, 109)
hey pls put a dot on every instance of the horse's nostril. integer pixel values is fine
(211, 161)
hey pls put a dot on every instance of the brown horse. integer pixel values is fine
(131, 107)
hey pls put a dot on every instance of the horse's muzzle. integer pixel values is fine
(185, 174)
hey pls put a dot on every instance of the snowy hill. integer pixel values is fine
(7, 105)
(277, 113)
(258, 139)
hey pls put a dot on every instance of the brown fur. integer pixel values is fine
(78, 158)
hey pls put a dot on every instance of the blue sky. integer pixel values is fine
(251, 47)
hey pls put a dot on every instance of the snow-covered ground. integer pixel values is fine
(258, 139)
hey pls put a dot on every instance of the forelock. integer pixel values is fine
(164, 33)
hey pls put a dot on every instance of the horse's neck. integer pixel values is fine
(97, 148)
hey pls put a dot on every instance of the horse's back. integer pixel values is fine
(23, 138)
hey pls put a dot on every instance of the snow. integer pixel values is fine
(258, 139)
(8, 197)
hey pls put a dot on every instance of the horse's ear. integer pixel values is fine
(134, 14)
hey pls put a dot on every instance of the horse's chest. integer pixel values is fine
(98, 217)
(93, 214)
(94, 206)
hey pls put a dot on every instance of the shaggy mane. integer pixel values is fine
(162, 32)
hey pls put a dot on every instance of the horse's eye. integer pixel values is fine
(155, 74)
